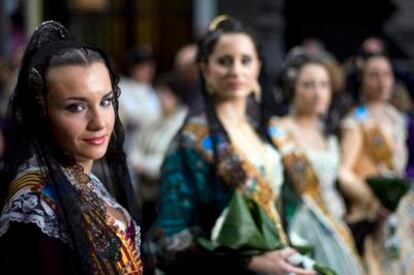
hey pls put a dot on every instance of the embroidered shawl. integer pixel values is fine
(31, 199)
(235, 169)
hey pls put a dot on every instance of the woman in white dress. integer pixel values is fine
(314, 209)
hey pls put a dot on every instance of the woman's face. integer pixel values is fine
(377, 79)
(233, 67)
(168, 101)
(80, 110)
(312, 94)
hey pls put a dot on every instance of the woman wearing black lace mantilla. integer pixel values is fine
(57, 217)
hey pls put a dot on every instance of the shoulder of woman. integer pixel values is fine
(192, 142)
(26, 182)
(394, 112)
(189, 135)
(278, 126)
(194, 132)
(278, 120)
(31, 200)
(196, 124)
(401, 122)
(354, 117)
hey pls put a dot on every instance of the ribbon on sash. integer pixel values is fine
(378, 147)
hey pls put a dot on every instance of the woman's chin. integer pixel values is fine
(236, 94)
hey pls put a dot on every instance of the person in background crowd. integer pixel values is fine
(185, 68)
(373, 144)
(342, 101)
(150, 145)
(10, 71)
(138, 103)
(313, 207)
(216, 153)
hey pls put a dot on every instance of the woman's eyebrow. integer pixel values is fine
(85, 99)
(76, 98)
(108, 94)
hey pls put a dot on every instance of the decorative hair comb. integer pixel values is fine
(216, 21)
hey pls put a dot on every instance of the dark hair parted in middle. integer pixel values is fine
(218, 27)
(223, 25)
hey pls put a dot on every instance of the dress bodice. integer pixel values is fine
(326, 166)
(269, 163)
(392, 127)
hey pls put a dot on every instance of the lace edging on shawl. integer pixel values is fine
(27, 206)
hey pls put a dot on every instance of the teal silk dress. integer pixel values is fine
(196, 186)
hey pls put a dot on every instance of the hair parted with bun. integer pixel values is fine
(295, 60)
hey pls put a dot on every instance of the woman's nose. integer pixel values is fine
(96, 120)
(236, 67)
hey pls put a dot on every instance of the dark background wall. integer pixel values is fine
(265, 17)
(279, 24)
(341, 24)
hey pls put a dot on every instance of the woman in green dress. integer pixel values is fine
(217, 152)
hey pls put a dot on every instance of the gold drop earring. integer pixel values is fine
(209, 87)
(257, 91)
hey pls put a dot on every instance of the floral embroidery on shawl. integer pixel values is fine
(94, 193)
(32, 200)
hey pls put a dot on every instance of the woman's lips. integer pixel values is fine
(235, 85)
(96, 140)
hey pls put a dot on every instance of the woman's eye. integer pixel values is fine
(107, 102)
(307, 85)
(246, 60)
(225, 61)
(75, 108)
(324, 84)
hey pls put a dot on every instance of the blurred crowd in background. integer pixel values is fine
(159, 87)
(160, 81)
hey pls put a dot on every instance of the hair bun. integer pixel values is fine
(295, 58)
(224, 23)
(48, 32)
